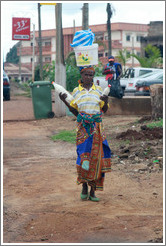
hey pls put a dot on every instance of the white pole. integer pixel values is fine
(132, 51)
(60, 69)
(33, 60)
(20, 62)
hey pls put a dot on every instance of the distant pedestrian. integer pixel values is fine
(112, 70)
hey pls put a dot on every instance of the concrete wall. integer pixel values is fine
(129, 106)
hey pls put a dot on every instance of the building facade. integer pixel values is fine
(123, 35)
(154, 37)
(12, 70)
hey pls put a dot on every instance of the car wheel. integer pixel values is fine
(123, 89)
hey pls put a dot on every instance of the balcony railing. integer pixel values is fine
(29, 50)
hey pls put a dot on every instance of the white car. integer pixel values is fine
(135, 72)
(130, 87)
(103, 83)
(130, 74)
(99, 80)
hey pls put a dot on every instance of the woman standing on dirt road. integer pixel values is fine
(93, 152)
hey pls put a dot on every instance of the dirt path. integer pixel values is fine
(42, 201)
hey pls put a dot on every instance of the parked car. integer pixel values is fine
(143, 87)
(130, 88)
(99, 80)
(135, 72)
(6, 87)
(130, 74)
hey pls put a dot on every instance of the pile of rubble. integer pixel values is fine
(144, 151)
(143, 134)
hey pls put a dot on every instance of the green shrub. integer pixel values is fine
(72, 74)
(72, 77)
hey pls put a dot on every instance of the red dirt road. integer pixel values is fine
(42, 201)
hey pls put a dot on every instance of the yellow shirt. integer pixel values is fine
(86, 101)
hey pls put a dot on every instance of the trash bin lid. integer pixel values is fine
(40, 83)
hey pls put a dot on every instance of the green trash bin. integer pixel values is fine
(41, 99)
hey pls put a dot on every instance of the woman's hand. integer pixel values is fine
(104, 98)
(63, 96)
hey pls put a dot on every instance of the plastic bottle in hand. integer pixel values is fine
(106, 90)
(60, 89)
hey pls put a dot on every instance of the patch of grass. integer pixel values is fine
(156, 124)
(67, 136)
(26, 88)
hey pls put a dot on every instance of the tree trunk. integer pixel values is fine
(109, 15)
(156, 92)
(85, 16)
(40, 43)
(60, 69)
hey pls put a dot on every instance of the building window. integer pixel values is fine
(31, 44)
(138, 38)
(47, 59)
(98, 38)
(100, 54)
(31, 59)
(138, 54)
(106, 54)
(128, 53)
(106, 38)
(39, 44)
(127, 37)
(48, 43)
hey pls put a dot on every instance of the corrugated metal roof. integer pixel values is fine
(11, 68)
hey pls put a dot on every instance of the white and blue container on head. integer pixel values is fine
(86, 52)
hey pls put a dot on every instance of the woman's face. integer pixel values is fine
(87, 76)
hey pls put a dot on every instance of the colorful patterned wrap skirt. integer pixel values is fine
(93, 154)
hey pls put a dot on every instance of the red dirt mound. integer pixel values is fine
(145, 133)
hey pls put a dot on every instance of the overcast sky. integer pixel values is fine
(124, 11)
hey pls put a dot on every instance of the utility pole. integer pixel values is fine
(60, 69)
(132, 51)
(20, 62)
(73, 27)
(85, 16)
(33, 59)
(109, 15)
(40, 44)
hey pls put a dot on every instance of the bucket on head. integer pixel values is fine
(86, 55)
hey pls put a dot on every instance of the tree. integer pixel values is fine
(153, 57)
(85, 16)
(49, 71)
(109, 15)
(60, 69)
(123, 57)
(71, 59)
(12, 56)
(156, 93)
(100, 43)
